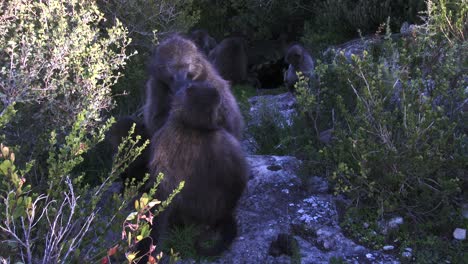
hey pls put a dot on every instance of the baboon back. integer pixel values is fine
(230, 59)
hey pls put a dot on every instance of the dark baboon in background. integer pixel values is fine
(119, 130)
(299, 60)
(203, 40)
(175, 61)
(192, 147)
(230, 58)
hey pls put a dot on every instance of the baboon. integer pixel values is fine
(176, 60)
(230, 58)
(299, 60)
(119, 130)
(203, 40)
(193, 147)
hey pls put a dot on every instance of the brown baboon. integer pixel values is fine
(192, 147)
(299, 60)
(175, 61)
(203, 40)
(119, 130)
(230, 58)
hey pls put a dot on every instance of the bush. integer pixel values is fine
(55, 61)
(48, 225)
(402, 145)
(335, 21)
(400, 142)
(146, 19)
(57, 64)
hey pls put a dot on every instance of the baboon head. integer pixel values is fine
(196, 105)
(177, 60)
(295, 56)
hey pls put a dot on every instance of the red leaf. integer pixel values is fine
(112, 250)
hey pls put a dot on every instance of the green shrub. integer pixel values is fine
(43, 223)
(402, 147)
(335, 21)
(400, 141)
(145, 18)
(56, 60)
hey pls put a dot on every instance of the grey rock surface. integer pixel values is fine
(282, 104)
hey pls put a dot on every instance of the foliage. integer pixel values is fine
(66, 212)
(55, 61)
(400, 142)
(269, 18)
(269, 129)
(144, 18)
(129, 91)
(335, 21)
(56, 217)
(242, 93)
(137, 224)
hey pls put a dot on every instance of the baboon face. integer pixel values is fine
(178, 62)
(294, 56)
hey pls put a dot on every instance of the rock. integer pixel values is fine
(388, 248)
(459, 234)
(369, 256)
(284, 244)
(395, 222)
(392, 224)
(406, 254)
(281, 104)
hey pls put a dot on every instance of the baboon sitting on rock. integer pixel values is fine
(192, 147)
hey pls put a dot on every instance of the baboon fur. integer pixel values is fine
(230, 59)
(299, 60)
(192, 147)
(203, 40)
(175, 61)
(116, 133)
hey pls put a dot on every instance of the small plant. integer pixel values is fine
(137, 224)
(269, 128)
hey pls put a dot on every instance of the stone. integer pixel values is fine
(459, 234)
(392, 224)
(406, 254)
(388, 247)
(395, 222)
